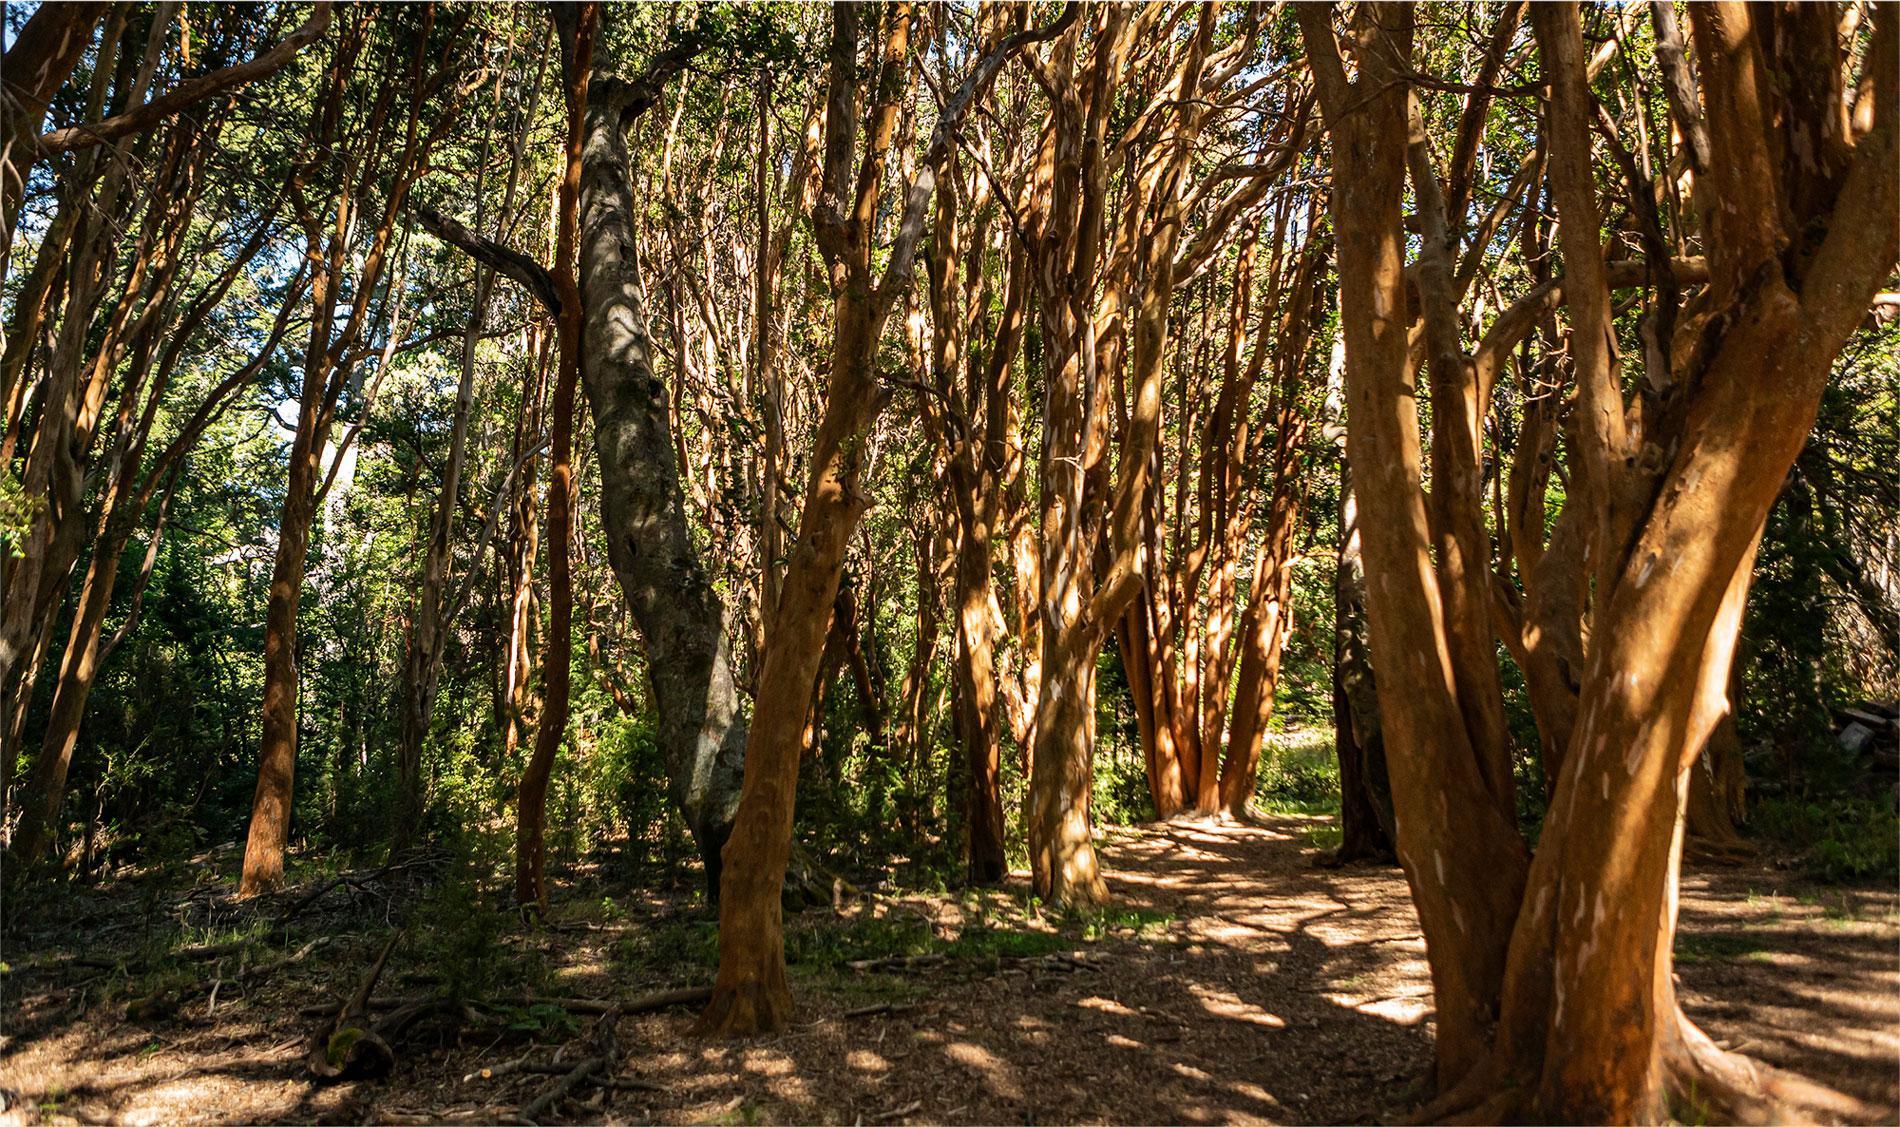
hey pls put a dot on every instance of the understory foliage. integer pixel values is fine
(1094, 413)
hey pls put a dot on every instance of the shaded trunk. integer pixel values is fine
(46, 788)
(684, 623)
(1367, 832)
(1717, 803)
(979, 718)
(1264, 627)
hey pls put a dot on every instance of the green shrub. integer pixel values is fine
(1836, 839)
(866, 937)
(1121, 790)
(683, 946)
(1299, 773)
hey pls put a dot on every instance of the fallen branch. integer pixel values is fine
(358, 879)
(561, 1089)
(898, 962)
(881, 1009)
(645, 1003)
(593, 1069)
(396, 1023)
(346, 1043)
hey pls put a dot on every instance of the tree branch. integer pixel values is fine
(187, 93)
(506, 260)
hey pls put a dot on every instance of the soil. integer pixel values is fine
(1236, 980)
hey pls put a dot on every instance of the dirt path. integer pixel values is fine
(1235, 981)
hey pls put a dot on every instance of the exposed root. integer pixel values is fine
(746, 1010)
(1481, 1096)
(1707, 1083)
(1342, 858)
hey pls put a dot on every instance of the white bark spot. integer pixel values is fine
(1438, 862)
(1606, 786)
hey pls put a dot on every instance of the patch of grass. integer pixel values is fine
(542, 1021)
(1323, 835)
(1725, 946)
(1143, 923)
(464, 944)
(826, 944)
(984, 942)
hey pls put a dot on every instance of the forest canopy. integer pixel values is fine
(743, 478)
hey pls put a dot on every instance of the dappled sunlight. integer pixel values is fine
(1230, 981)
(996, 1074)
(1226, 1004)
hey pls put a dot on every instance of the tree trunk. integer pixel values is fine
(277, 757)
(980, 719)
(1451, 825)
(750, 993)
(1263, 632)
(1365, 790)
(428, 631)
(37, 63)
(683, 621)
(46, 789)
(1717, 802)
(1587, 1027)
(531, 803)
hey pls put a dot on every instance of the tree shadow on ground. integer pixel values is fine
(1233, 980)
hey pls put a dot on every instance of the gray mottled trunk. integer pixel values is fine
(683, 621)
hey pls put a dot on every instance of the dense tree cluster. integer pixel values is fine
(778, 434)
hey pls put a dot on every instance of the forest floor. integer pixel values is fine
(1236, 980)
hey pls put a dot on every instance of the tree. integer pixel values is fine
(430, 617)
(1570, 952)
(750, 994)
(341, 337)
(577, 71)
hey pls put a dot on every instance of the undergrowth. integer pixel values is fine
(1840, 838)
